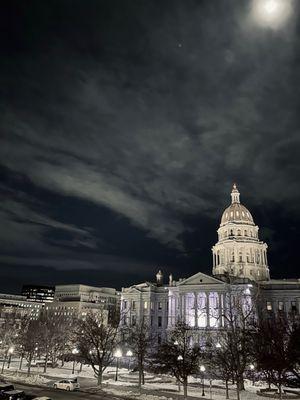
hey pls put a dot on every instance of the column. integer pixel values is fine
(207, 309)
(184, 308)
(220, 310)
(180, 307)
(196, 309)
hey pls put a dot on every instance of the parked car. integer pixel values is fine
(67, 384)
(4, 387)
(13, 395)
(41, 363)
(42, 398)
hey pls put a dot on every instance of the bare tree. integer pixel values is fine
(239, 317)
(276, 349)
(177, 356)
(54, 334)
(221, 362)
(140, 339)
(8, 336)
(96, 341)
(28, 339)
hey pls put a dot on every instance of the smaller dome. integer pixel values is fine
(236, 212)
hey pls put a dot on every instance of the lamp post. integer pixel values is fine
(21, 359)
(252, 367)
(118, 355)
(129, 354)
(202, 369)
(4, 361)
(10, 351)
(74, 352)
(179, 358)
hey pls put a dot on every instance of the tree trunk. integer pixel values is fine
(21, 361)
(46, 362)
(227, 389)
(29, 365)
(99, 381)
(280, 391)
(140, 378)
(185, 388)
(241, 384)
(238, 391)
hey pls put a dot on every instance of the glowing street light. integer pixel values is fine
(202, 369)
(218, 345)
(74, 352)
(252, 368)
(179, 358)
(117, 355)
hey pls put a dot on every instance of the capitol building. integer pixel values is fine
(240, 262)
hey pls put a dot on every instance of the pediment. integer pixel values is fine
(199, 279)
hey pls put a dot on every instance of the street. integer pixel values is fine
(56, 394)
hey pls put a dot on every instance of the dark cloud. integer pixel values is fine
(124, 125)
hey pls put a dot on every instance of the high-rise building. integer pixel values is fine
(40, 294)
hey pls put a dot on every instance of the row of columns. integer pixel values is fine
(236, 255)
(178, 308)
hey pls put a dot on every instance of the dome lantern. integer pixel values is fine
(235, 194)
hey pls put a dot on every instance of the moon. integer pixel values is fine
(272, 14)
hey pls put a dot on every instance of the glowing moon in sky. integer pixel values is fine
(271, 13)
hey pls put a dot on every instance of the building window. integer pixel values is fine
(152, 305)
(133, 304)
(269, 306)
(159, 339)
(293, 306)
(124, 304)
(239, 232)
(133, 320)
(159, 321)
(160, 305)
(151, 320)
(280, 306)
(145, 305)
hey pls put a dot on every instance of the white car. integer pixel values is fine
(42, 398)
(67, 384)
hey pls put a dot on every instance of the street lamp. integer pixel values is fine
(202, 369)
(74, 352)
(218, 345)
(252, 367)
(129, 354)
(10, 351)
(118, 355)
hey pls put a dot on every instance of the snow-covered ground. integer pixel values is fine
(156, 387)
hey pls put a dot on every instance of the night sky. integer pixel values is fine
(123, 126)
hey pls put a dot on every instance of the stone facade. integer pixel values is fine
(240, 265)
